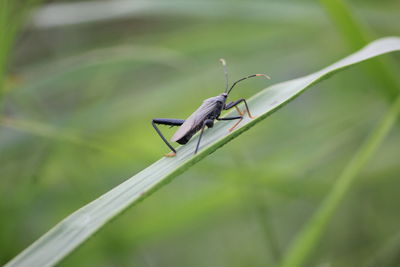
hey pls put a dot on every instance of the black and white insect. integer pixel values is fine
(205, 115)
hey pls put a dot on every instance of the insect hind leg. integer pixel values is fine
(170, 122)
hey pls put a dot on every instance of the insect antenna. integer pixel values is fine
(250, 76)
(223, 62)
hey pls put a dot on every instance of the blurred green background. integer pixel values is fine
(84, 80)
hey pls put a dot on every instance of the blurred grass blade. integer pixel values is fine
(12, 15)
(387, 255)
(347, 23)
(309, 238)
(51, 132)
(82, 224)
(383, 72)
(5, 11)
(71, 13)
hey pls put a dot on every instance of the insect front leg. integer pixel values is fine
(235, 103)
(230, 105)
(209, 123)
(170, 122)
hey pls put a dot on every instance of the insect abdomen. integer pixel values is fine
(184, 140)
(187, 136)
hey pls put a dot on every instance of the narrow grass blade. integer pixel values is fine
(54, 133)
(309, 237)
(346, 23)
(387, 255)
(12, 16)
(63, 238)
(383, 72)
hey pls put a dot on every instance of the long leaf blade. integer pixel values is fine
(63, 238)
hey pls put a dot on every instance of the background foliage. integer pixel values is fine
(78, 99)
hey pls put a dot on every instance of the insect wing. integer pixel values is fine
(195, 119)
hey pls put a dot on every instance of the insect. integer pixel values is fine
(205, 115)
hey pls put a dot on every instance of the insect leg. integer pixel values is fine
(209, 123)
(230, 118)
(239, 118)
(235, 103)
(170, 122)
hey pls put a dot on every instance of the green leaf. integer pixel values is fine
(62, 239)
